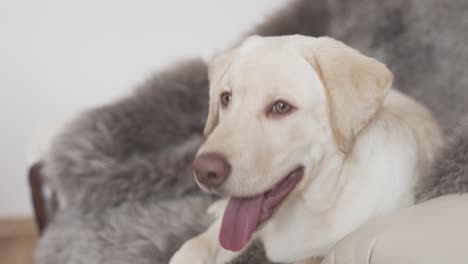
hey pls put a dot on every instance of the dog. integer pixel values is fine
(308, 140)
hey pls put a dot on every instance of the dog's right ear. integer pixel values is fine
(216, 71)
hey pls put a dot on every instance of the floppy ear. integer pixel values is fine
(216, 71)
(355, 85)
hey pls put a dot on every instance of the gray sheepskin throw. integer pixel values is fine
(450, 172)
(122, 171)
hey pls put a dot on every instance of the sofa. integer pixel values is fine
(116, 185)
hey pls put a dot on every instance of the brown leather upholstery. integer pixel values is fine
(43, 197)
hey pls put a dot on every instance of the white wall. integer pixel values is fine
(59, 57)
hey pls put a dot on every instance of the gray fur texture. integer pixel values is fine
(450, 173)
(136, 233)
(138, 148)
(123, 169)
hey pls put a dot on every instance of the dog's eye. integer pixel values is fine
(281, 107)
(225, 98)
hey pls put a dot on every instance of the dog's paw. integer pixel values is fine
(193, 252)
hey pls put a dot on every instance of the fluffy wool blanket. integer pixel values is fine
(122, 171)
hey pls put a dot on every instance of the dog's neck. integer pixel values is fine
(323, 187)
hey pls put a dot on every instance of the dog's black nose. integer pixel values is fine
(211, 169)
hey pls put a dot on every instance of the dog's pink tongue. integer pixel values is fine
(239, 222)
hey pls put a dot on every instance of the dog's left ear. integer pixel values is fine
(355, 85)
(216, 71)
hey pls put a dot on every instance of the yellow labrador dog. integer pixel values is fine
(308, 140)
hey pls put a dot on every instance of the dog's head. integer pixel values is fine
(277, 104)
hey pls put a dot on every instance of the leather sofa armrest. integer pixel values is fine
(43, 197)
(431, 232)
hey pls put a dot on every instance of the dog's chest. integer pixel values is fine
(295, 233)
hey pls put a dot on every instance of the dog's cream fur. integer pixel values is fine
(362, 144)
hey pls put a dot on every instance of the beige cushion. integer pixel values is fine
(432, 232)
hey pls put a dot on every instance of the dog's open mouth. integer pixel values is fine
(244, 214)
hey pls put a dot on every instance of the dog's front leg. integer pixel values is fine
(203, 249)
(200, 249)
